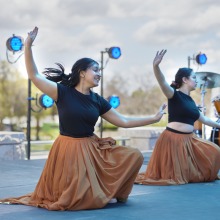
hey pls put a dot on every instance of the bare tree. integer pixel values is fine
(139, 94)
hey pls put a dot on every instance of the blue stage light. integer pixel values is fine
(201, 58)
(46, 101)
(15, 43)
(114, 52)
(114, 101)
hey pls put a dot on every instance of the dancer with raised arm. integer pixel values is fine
(179, 156)
(82, 171)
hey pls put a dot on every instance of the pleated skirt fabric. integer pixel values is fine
(181, 159)
(84, 173)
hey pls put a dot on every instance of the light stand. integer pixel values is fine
(201, 59)
(203, 92)
(189, 59)
(114, 53)
(102, 60)
(214, 130)
(28, 149)
(49, 103)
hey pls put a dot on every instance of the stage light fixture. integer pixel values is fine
(46, 101)
(201, 58)
(15, 43)
(114, 101)
(114, 52)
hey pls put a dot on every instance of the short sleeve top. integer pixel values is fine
(182, 108)
(78, 113)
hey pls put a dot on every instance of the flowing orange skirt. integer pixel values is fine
(180, 159)
(84, 173)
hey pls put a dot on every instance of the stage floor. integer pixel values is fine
(184, 202)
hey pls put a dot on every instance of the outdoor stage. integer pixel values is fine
(183, 202)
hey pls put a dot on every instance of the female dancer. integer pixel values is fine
(179, 156)
(82, 171)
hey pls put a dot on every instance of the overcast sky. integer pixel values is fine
(72, 29)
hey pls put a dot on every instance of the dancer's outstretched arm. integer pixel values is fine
(41, 82)
(165, 87)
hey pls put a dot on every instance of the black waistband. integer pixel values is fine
(73, 136)
(178, 132)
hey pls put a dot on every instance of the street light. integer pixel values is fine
(114, 53)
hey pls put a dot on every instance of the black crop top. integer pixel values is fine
(182, 108)
(78, 113)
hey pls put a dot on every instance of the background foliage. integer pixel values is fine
(144, 99)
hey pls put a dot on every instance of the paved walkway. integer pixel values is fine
(184, 202)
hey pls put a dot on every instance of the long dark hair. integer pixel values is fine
(182, 72)
(72, 79)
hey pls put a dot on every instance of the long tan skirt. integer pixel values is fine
(180, 159)
(84, 173)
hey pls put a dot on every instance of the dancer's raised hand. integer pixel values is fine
(161, 112)
(158, 58)
(31, 37)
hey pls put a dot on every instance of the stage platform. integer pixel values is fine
(183, 202)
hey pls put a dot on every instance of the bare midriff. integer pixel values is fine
(179, 126)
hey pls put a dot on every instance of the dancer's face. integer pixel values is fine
(191, 81)
(92, 76)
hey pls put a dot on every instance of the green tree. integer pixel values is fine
(13, 89)
(40, 113)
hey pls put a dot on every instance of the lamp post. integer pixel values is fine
(114, 53)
